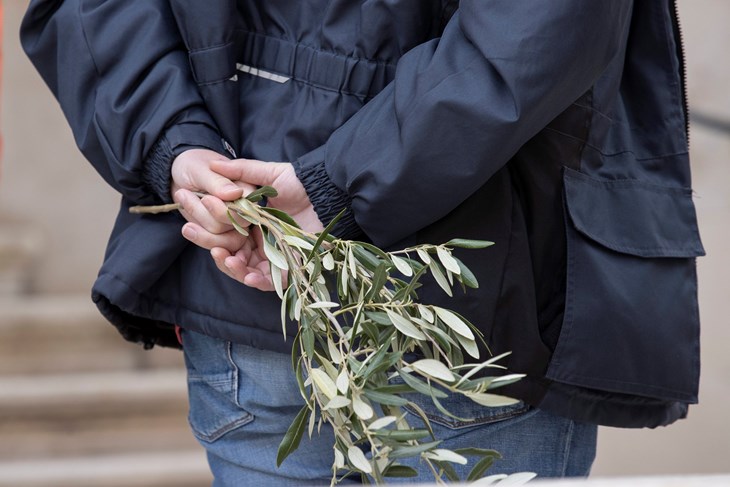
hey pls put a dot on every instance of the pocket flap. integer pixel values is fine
(633, 217)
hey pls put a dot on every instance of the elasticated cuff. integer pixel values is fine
(176, 140)
(156, 170)
(328, 200)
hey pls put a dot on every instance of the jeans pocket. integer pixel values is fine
(212, 388)
(213, 413)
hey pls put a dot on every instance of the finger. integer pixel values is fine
(250, 170)
(219, 211)
(250, 276)
(195, 211)
(235, 268)
(219, 256)
(230, 240)
(210, 181)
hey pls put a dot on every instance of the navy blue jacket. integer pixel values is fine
(557, 131)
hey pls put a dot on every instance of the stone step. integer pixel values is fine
(182, 468)
(72, 415)
(54, 334)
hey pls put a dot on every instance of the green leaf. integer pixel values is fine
(447, 260)
(344, 282)
(381, 423)
(480, 468)
(402, 435)
(380, 277)
(434, 368)
(394, 389)
(323, 234)
(491, 400)
(469, 244)
(470, 346)
(261, 193)
(448, 413)
(237, 225)
(438, 275)
(378, 317)
(425, 313)
(328, 262)
(370, 261)
(308, 342)
(371, 248)
(489, 363)
(478, 452)
(373, 361)
(280, 215)
(298, 242)
(343, 382)
(519, 478)
(339, 459)
(448, 470)
(293, 436)
(423, 255)
(363, 410)
(444, 455)
(334, 352)
(276, 279)
(466, 276)
(402, 265)
(419, 386)
(323, 305)
(324, 383)
(383, 398)
(352, 262)
(358, 460)
(412, 451)
(400, 471)
(455, 322)
(413, 407)
(337, 402)
(505, 380)
(405, 326)
(404, 293)
(275, 256)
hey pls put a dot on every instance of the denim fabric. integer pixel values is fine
(242, 400)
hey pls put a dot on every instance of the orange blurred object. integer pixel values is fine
(1, 79)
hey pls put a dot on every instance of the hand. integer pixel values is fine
(292, 197)
(209, 226)
(249, 265)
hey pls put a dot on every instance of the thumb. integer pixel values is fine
(250, 171)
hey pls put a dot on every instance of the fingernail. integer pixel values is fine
(189, 233)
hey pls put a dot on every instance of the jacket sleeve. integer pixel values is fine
(458, 109)
(119, 70)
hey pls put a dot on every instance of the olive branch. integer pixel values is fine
(364, 341)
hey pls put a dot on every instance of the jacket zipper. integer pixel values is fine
(679, 43)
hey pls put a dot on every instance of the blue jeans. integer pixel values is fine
(242, 400)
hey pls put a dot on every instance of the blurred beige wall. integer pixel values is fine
(45, 180)
(47, 185)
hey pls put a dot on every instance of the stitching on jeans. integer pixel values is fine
(566, 450)
(234, 371)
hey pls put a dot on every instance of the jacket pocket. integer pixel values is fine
(631, 322)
